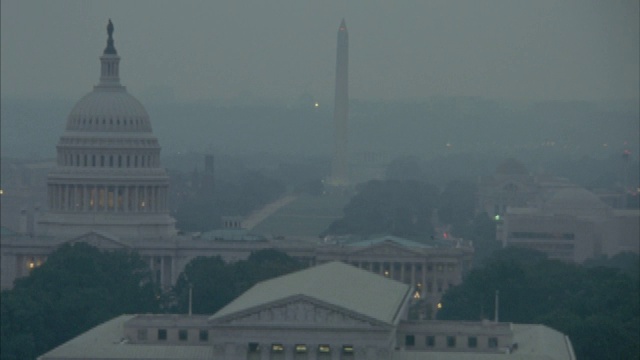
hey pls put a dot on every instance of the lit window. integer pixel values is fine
(324, 348)
(347, 349)
(162, 334)
(277, 348)
(301, 349)
(183, 335)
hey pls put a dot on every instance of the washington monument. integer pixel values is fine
(339, 168)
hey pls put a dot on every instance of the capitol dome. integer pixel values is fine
(109, 109)
(108, 176)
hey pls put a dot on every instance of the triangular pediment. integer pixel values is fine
(298, 311)
(387, 248)
(100, 240)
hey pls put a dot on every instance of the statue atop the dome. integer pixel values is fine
(110, 49)
(110, 29)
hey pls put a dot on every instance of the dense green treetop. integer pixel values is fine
(77, 288)
(598, 307)
(215, 283)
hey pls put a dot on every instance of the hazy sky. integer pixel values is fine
(280, 49)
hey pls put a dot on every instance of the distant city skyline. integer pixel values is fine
(280, 50)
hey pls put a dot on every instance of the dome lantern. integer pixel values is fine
(110, 61)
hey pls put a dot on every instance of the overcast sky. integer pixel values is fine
(280, 49)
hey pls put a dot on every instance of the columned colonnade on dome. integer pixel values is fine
(108, 198)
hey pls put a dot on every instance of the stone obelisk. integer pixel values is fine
(339, 165)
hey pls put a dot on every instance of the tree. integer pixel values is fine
(215, 283)
(400, 208)
(77, 288)
(598, 307)
(457, 204)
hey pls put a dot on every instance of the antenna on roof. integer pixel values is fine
(496, 304)
(190, 298)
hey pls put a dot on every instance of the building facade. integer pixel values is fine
(107, 175)
(331, 311)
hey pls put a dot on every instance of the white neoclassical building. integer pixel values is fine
(107, 189)
(107, 175)
(331, 311)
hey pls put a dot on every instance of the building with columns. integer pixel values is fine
(331, 311)
(107, 175)
(108, 189)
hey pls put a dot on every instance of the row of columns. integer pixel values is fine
(163, 269)
(417, 274)
(68, 158)
(108, 198)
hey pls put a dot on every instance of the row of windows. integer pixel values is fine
(276, 348)
(541, 235)
(133, 124)
(127, 161)
(107, 142)
(183, 335)
(451, 341)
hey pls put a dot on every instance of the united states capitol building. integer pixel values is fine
(108, 188)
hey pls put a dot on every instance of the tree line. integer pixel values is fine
(80, 286)
(596, 304)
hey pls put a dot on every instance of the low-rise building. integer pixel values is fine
(330, 311)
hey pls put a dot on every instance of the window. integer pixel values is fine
(409, 340)
(472, 342)
(492, 342)
(254, 347)
(142, 334)
(451, 341)
(162, 334)
(301, 349)
(324, 349)
(347, 350)
(183, 335)
(430, 341)
(277, 348)
(451, 267)
(204, 335)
